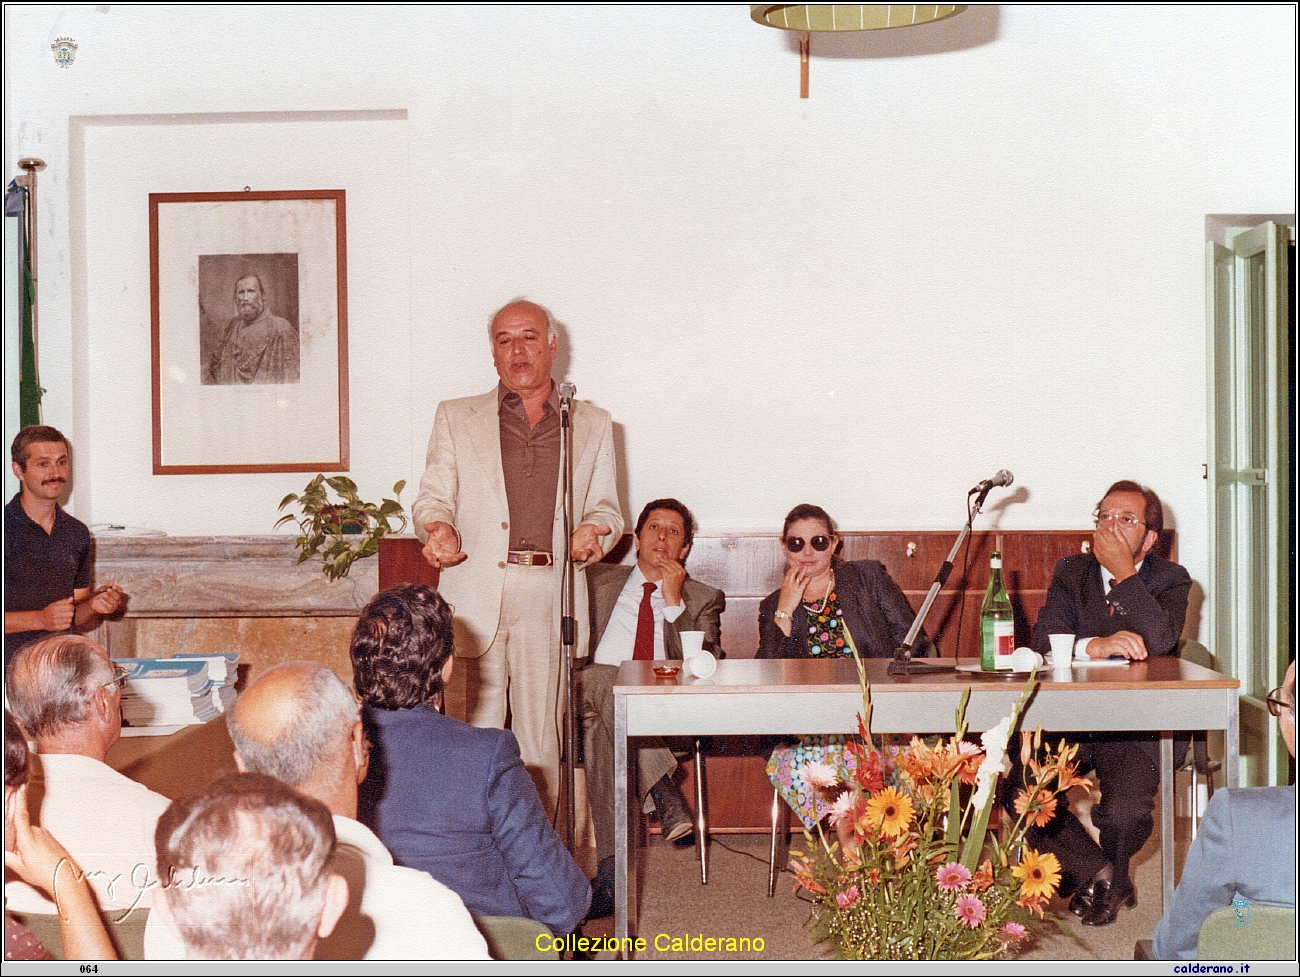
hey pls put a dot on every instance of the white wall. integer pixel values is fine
(978, 245)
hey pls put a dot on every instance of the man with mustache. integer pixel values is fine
(47, 551)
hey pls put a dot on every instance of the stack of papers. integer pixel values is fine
(223, 671)
(165, 692)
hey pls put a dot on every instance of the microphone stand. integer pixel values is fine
(902, 663)
(568, 628)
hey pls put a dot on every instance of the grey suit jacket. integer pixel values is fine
(703, 607)
(1245, 848)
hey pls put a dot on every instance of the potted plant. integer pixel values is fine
(340, 532)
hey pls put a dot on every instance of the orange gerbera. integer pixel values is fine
(1039, 875)
(1040, 805)
(890, 811)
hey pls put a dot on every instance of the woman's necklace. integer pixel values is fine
(826, 598)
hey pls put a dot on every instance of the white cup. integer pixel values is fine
(1062, 649)
(701, 664)
(692, 643)
(1025, 660)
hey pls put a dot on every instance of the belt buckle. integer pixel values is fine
(532, 558)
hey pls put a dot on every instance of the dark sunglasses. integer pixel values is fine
(795, 543)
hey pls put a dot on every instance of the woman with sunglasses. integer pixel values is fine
(823, 601)
(822, 595)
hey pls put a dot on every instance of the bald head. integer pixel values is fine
(298, 723)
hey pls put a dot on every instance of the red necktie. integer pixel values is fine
(644, 648)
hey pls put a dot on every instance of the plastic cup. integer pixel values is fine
(701, 665)
(1062, 649)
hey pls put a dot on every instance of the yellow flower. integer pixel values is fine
(890, 811)
(1039, 875)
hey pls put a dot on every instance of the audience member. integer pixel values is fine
(36, 857)
(1244, 851)
(300, 724)
(445, 797)
(244, 867)
(67, 694)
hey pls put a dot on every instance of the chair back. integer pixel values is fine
(127, 934)
(1253, 932)
(516, 938)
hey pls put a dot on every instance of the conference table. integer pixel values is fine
(800, 696)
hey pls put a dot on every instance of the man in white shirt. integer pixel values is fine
(66, 694)
(299, 724)
(639, 612)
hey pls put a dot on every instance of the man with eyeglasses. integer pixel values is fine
(1244, 853)
(66, 694)
(1122, 600)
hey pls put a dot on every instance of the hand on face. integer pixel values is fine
(442, 548)
(792, 588)
(1113, 551)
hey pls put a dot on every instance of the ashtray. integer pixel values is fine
(667, 671)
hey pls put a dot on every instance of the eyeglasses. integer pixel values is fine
(120, 675)
(1125, 519)
(795, 543)
(1277, 703)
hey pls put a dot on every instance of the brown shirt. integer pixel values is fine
(530, 460)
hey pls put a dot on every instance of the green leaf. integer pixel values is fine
(397, 488)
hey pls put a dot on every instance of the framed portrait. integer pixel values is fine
(250, 335)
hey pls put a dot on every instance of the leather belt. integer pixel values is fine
(530, 558)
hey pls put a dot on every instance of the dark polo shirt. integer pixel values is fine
(41, 567)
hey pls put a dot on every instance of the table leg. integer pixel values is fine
(624, 839)
(1166, 816)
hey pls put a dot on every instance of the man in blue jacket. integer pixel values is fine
(445, 797)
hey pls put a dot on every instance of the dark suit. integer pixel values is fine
(702, 611)
(456, 802)
(1246, 848)
(875, 609)
(1153, 605)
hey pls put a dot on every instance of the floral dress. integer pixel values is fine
(787, 767)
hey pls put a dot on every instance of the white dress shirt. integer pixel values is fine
(619, 639)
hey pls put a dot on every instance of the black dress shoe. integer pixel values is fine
(674, 819)
(1082, 900)
(1108, 898)
(602, 892)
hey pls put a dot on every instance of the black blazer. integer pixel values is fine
(875, 610)
(1152, 605)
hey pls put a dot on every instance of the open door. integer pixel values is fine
(1252, 509)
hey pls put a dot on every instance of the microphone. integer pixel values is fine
(1002, 479)
(567, 391)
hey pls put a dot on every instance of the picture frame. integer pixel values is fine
(248, 295)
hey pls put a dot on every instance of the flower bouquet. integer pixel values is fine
(909, 870)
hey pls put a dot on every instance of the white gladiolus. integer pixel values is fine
(994, 742)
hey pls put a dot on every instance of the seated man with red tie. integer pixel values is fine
(638, 613)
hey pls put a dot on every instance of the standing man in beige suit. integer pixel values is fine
(492, 516)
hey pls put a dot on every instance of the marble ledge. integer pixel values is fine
(227, 576)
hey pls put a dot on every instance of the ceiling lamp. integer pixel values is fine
(809, 17)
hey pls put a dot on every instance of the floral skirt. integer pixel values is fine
(787, 768)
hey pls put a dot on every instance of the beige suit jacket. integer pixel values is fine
(464, 485)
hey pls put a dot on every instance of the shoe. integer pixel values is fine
(1083, 899)
(1108, 899)
(602, 892)
(674, 818)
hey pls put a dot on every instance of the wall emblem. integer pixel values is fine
(65, 50)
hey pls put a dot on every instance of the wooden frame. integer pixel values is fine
(248, 295)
